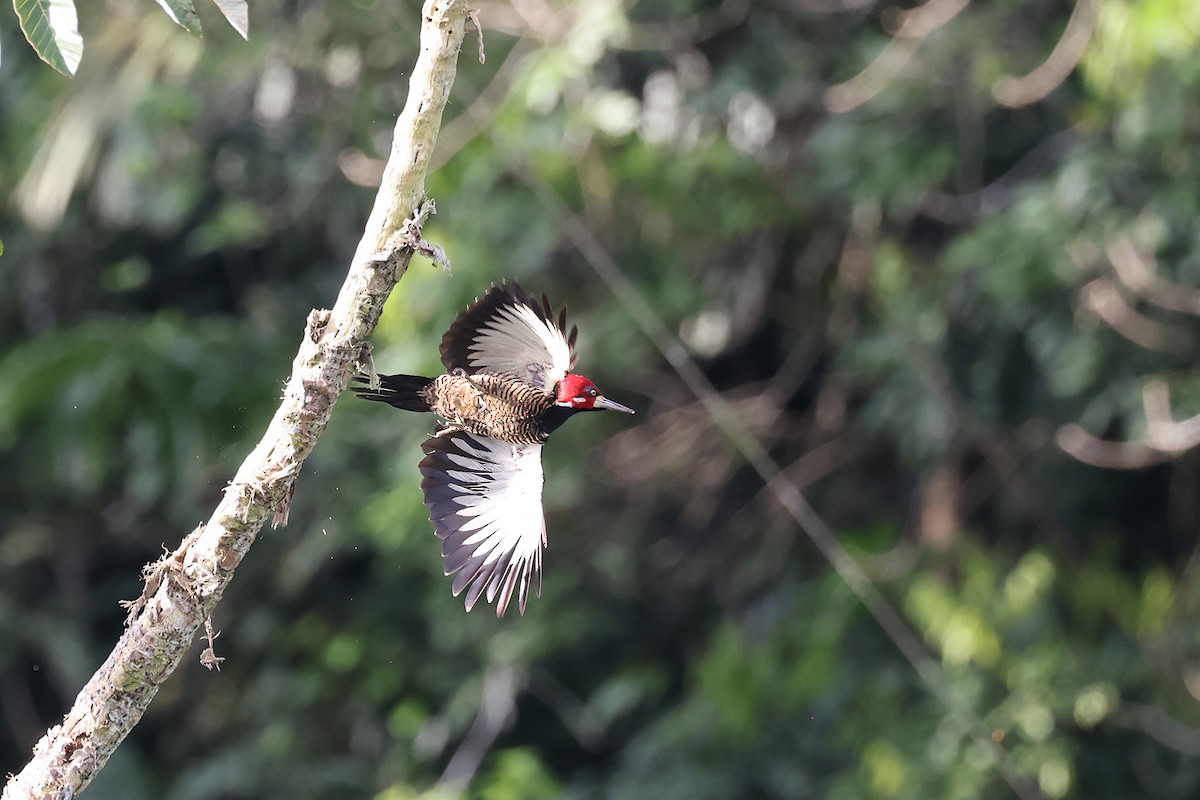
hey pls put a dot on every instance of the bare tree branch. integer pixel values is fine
(496, 706)
(915, 27)
(485, 107)
(1163, 432)
(1049, 75)
(1102, 298)
(1160, 726)
(183, 588)
(1139, 274)
(1165, 436)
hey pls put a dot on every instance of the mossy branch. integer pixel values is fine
(184, 587)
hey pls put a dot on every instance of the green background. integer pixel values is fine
(931, 293)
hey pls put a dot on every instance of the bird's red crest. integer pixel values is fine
(577, 391)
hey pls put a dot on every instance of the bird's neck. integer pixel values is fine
(556, 416)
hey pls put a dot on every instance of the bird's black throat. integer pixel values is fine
(556, 416)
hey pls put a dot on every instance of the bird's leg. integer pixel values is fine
(481, 399)
(367, 364)
(444, 428)
(459, 372)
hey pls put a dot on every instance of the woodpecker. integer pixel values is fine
(507, 387)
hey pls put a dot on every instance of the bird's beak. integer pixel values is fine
(604, 402)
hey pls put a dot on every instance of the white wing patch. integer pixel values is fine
(485, 502)
(516, 342)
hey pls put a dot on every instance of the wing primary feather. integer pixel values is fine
(495, 581)
(461, 581)
(477, 588)
(455, 560)
(510, 580)
(484, 498)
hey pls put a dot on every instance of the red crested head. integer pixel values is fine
(580, 394)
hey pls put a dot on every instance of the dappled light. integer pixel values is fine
(904, 297)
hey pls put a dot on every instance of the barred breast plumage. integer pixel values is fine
(490, 405)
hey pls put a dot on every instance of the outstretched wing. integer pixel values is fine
(506, 332)
(485, 502)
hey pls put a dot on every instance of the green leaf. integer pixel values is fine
(52, 28)
(183, 12)
(238, 15)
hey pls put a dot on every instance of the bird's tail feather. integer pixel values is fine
(401, 391)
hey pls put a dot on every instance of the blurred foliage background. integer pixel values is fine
(942, 260)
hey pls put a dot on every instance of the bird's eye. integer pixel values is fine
(593, 392)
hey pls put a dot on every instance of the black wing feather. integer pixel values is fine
(457, 341)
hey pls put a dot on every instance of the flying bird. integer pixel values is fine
(507, 387)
